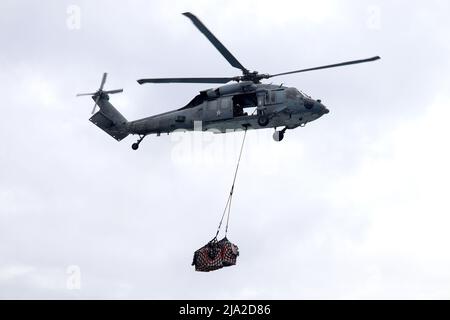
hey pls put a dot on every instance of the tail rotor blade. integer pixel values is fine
(85, 94)
(95, 105)
(103, 81)
(113, 91)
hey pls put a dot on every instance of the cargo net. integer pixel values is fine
(215, 255)
(218, 254)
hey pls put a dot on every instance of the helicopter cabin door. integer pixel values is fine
(219, 109)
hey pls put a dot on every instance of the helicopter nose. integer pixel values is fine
(322, 108)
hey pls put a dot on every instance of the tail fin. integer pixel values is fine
(109, 119)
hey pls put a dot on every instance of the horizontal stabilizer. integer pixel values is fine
(101, 121)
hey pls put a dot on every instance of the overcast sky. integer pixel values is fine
(354, 205)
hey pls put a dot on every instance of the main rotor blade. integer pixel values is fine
(216, 43)
(103, 81)
(185, 80)
(328, 66)
(113, 91)
(85, 94)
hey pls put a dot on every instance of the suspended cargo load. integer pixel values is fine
(215, 255)
(218, 254)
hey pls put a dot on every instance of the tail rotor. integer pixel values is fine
(98, 94)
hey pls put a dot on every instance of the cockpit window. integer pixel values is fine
(292, 93)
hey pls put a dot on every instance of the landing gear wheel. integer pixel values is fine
(278, 136)
(135, 145)
(263, 120)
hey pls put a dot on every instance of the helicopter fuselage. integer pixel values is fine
(243, 105)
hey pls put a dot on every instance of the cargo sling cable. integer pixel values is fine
(230, 197)
(218, 254)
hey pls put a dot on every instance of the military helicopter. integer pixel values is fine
(221, 109)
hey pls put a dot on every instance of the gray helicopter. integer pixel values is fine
(246, 104)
